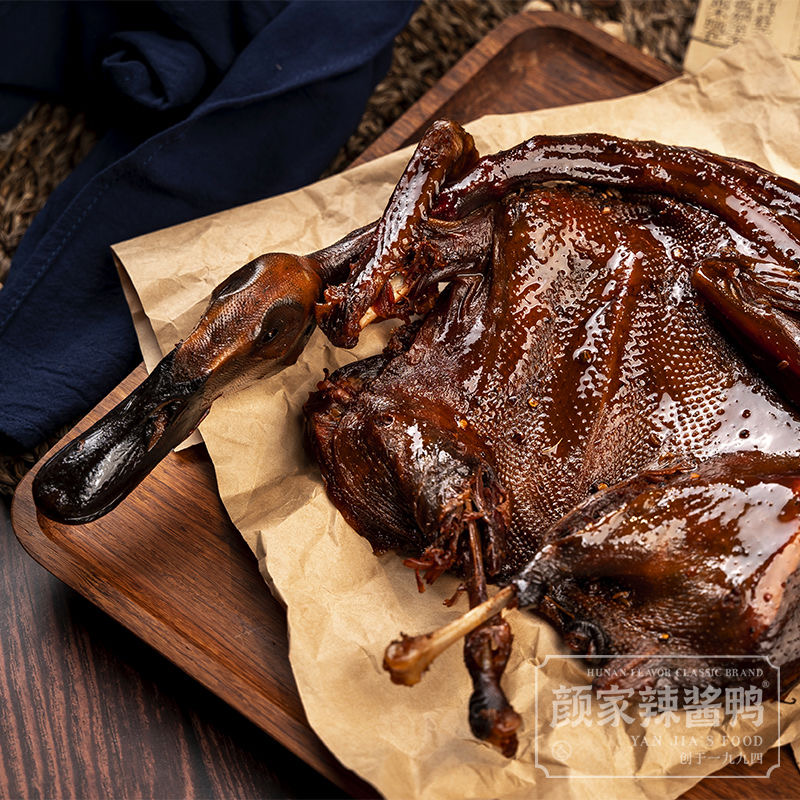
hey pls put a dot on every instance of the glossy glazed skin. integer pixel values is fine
(571, 396)
(595, 412)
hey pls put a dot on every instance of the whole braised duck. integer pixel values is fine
(597, 412)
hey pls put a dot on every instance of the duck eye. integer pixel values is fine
(268, 334)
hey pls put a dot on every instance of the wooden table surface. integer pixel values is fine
(89, 710)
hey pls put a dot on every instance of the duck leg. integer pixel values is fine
(487, 645)
(689, 563)
(486, 652)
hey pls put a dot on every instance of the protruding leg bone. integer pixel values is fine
(408, 657)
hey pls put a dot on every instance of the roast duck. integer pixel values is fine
(593, 402)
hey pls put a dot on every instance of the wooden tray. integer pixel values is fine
(169, 564)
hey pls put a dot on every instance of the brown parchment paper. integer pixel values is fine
(344, 604)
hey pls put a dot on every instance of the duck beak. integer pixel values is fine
(93, 473)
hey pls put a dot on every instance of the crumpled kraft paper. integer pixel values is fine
(343, 603)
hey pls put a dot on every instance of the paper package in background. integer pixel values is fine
(344, 604)
(719, 24)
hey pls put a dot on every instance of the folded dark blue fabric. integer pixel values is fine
(207, 105)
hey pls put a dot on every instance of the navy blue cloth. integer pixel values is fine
(207, 105)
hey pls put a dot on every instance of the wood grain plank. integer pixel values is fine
(90, 710)
(530, 61)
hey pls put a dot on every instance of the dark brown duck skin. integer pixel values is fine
(571, 403)
(596, 413)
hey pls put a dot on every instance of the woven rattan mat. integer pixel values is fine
(48, 143)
